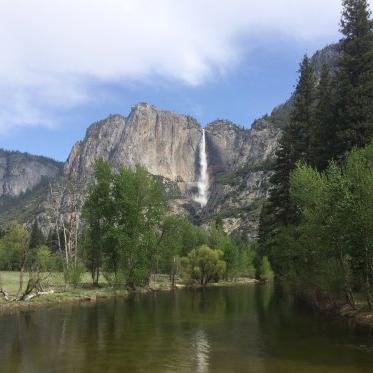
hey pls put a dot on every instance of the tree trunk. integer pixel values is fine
(21, 272)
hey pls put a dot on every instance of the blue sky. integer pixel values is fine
(75, 62)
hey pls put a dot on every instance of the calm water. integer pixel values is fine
(247, 329)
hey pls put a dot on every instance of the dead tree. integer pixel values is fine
(64, 210)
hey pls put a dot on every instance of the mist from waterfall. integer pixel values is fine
(203, 181)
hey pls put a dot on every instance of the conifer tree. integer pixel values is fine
(323, 133)
(354, 78)
(294, 146)
(36, 237)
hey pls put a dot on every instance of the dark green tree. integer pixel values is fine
(294, 146)
(37, 237)
(323, 145)
(354, 78)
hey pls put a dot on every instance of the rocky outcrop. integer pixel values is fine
(21, 172)
(163, 142)
(241, 162)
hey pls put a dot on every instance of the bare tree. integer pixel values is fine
(64, 210)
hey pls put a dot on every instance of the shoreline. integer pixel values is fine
(360, 317)
(93, 295)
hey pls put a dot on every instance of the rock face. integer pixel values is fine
(240, 164)
(163, 142)
(20, 172)
(167, 145)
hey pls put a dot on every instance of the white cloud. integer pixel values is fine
(51, 49)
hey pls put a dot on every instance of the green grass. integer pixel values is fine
(10, 281)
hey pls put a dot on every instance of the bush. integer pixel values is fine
(204, 265)
(264, 270)
(74, 273)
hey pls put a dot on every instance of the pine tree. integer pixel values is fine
(354, 78)
(294, 146)
(301, 117)
(323, 134)
(36, 237)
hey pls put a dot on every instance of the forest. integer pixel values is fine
(317, 225)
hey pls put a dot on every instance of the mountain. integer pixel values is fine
(163, 142)
(168, 145)
(21, 172)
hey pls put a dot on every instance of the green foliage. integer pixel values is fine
(323, 131)
(139, 210)
(98, 212)
(331, 250)
(36, 240)
(124, 212)
(237, 252)
(14, 248)
(316, 227)
(170, 246)
(354, 79)
(45, 261)
(73, 273)
(294, 146)
(264, 271)
(36, 236)
(204, 265)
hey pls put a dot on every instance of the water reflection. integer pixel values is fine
(202, 349)
(248, 329)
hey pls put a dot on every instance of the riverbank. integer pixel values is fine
(87, 293)
(359, 316)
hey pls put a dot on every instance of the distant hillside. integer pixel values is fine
(21, 172)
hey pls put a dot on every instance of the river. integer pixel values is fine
(241, 329)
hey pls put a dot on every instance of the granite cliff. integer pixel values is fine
(21, 172)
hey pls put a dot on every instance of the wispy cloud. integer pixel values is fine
(52, 50)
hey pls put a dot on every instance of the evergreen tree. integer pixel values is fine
(323, 134)
(294, 145)
(354, 78)
(301, 117)
(36, 237)
(36, 240)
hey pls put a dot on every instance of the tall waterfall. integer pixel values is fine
(203, 180)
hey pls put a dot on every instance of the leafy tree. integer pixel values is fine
(192, 236)
(330, 253)
(16, 245)
(139, 207)
(204, 265)
(170, 246)
(231, 254)
(264, 271)
(98, 212)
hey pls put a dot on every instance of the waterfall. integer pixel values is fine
(203, 180)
